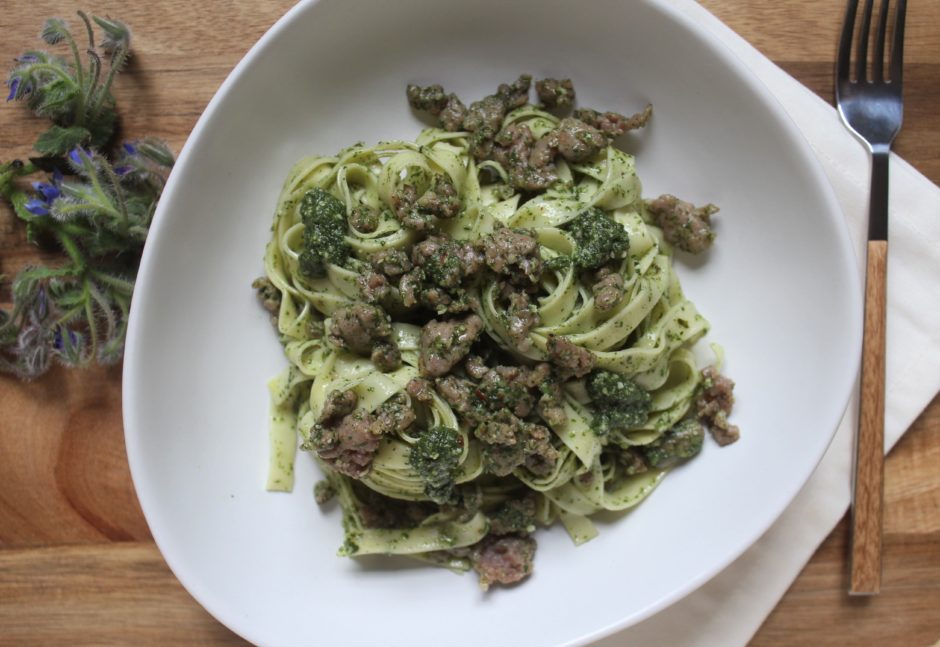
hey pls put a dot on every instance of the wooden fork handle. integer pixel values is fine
(865, 578)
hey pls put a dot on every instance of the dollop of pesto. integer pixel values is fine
(324, 218)
(600, 239)
(436, 459)
(619, 402)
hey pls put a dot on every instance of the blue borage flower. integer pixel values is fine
(48, 193)
(70, 337)
(13, 84)
(37, 207)
(86, 162)
(144, 161)
(18, 89)
(128, 150)
(77, 156)
(35, 74)
(69, 346)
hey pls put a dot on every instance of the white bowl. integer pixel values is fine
(780, 288)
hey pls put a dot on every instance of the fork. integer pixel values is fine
(870, 105)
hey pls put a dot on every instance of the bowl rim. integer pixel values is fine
(672, 9)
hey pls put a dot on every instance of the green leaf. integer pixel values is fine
(59, 141)
(18, 199)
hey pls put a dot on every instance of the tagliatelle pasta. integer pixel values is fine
(470, 357)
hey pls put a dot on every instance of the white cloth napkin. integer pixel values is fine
(754, 584)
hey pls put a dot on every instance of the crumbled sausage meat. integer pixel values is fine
(607, 289)
(378, 511)
(502, 444)
(530, 162)
(445, 343)
(540, 454)
(403, 205)
(337, 405)
(485, 117)
(393, 416)
(516, 515)
(444, 269)
(269, 296)
(323, 492)
(573, 139)
(509, 442)
(555, 93)
(349, 446)
(359, 326)
(503, 560)
(613, 124)
(447, 263)
(348, 439)
(542, 154)
(528, 165)
(507, 388)
(452, 116)
(376, 288)
(522, 318)
(364, 219)
(431, 98)
(420, 389)
(714, 405)
(365, 329)
(460, 394)
(379, 285)
(514, 253)
(386, 356)
(570, 359)
(441, 199)
(551, 405)
(475, 367)
(515, 94)
(502, 428)
(410, 288)
(577, 141)
(391, 262)
(684, 225)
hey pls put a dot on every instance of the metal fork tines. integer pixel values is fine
(869, 102)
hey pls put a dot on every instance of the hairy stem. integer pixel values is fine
(119, 196)
(117, 62)
(122, 286)
(80, 77)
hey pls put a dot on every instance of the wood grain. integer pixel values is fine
(128, 597)
(868, 488)
(77, 565)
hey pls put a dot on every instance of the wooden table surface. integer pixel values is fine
(77, 563)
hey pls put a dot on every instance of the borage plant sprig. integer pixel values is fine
(96, 204)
